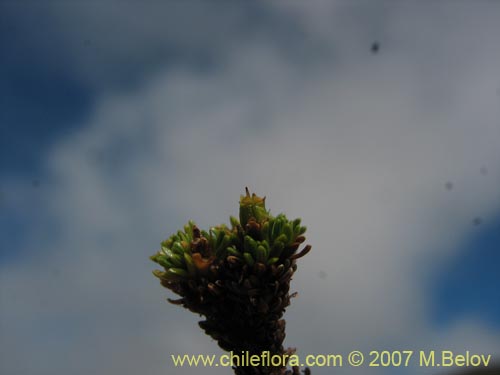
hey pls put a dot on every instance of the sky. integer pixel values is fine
(119, 122)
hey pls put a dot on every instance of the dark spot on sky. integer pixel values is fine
(35, 183)
(477, 221)
(449, 185)
(322, 274)
(484, 171)
(98, 157)
(56, 272)
(375, 47)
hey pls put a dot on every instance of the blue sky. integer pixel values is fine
(118, 124)
(468, 284)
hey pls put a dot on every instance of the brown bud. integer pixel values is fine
(260, 268)
(215, 290)
(179, 301)
(300, 239)
(196, 232)
(233, 259)
(303, 252)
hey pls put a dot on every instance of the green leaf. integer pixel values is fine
(262, 254)
(234, 221)
(190, 264)
(177, 260)
(248, 258)
(177, 248)
(232, 251)
(177, 272)
(272, 260)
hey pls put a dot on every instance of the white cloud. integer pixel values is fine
(358, 148)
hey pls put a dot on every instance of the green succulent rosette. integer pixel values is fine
(258, 238)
